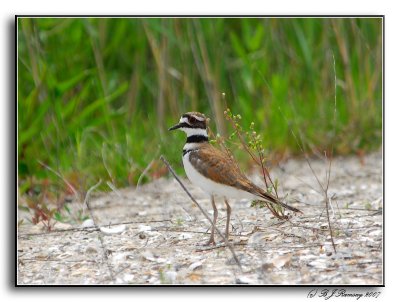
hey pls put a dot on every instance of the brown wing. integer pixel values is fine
(219, 167)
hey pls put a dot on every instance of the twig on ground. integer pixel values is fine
(144, 173)
(104, 161)
(217, 246)
(345, 209)
(88, 194)
(100, 236)
(114, 189)
(202, 211)
(327, 199)
(288, 234)
(324, 190)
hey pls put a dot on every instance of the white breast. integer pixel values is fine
(210, 186)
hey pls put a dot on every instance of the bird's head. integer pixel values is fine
(192, 123)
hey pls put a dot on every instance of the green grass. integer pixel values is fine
(96, 96)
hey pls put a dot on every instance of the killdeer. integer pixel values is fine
(214, 171)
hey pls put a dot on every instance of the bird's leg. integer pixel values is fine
(211, 240)
(228, 218)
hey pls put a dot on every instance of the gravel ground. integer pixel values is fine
(153, 235)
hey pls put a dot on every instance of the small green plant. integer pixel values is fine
(41, 213)
(46, 202)
(36, 197)
(162, 276)
(59, 217)
(252, 143)
(65, 215)
(179, 222)
(20, 222)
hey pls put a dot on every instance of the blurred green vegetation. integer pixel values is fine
(96, 96)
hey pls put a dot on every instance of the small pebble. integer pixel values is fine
(170, 276)
(90, 249)
(88, 223)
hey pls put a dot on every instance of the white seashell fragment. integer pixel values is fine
(113, 230)
(195, 265)
(144, 228)
(88, 223)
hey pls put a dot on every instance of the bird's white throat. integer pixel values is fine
(194, 131)
(191, 146)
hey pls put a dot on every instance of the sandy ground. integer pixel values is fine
(153, 235)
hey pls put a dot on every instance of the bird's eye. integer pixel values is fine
(192, 120)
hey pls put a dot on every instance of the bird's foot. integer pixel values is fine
(208, 247)
(210, 242)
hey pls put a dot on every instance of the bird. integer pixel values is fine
(214, 171)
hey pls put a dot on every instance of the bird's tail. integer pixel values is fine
(265, 195)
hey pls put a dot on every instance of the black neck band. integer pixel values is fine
(196, 139)
(187, 151)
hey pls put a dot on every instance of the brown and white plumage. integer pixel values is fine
(213, 170)
(220, 168)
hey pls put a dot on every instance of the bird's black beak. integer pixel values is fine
(177, 126)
